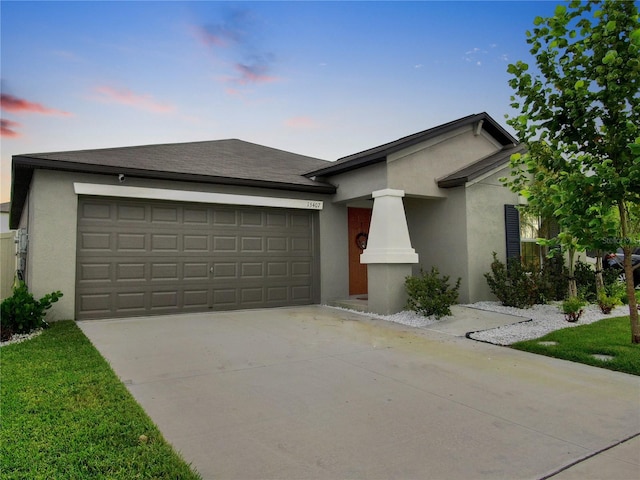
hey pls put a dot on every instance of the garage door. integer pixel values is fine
(140, 257)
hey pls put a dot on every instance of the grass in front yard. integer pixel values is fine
(65, 414)
(610, 337)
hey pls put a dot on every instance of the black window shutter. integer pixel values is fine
(512, 229)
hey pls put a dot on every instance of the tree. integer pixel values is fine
(578, 114)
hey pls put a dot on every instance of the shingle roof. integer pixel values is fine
(231, 162)
(380, 153)
(231, 159)
(482, 166)
(5, 207)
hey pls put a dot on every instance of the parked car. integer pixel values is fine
(615, 260)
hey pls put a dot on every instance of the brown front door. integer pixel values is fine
(359, 221)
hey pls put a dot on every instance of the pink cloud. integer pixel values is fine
(125, 96)
(301, 122)
(9, 103)
(7, 128)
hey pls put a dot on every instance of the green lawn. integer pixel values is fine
(64, 414)
(611, 336)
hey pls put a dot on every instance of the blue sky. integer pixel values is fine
(325, 79)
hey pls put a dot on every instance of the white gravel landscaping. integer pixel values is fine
(537, 321)
(21, 337)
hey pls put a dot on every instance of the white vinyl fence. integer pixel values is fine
(7, 263)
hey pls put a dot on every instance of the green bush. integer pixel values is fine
(552, 281)
(514, 285)
(572, 309)
(606, 302)
(430, 294)
(585, 277)
(623, 294)
(22, 313)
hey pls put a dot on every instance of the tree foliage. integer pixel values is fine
(579, 113)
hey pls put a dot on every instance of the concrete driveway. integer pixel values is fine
(315, 392)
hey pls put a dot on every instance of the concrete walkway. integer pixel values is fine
(316, 392)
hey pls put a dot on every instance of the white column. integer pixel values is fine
(388, 240)
(388, 254)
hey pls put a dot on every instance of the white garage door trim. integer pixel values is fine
(193, 196)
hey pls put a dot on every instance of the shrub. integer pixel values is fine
(22, 313)
(585, 281)
(514, 285)
(430, 294)
(623, 295)
(606, 302)
(552, 281)
(572, 309)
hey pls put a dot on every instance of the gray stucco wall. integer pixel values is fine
(51, 260)
(416, 169)
(438, 231)
(51, 216)
(358, 184)
(486, 229)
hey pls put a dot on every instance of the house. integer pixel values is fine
(229, 224)
(4, 217)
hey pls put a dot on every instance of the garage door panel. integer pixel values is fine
(95, 303)
(300, 220)
(301, 245)
(225, 270)
(196, 271)
(95, 241)
(165, 271)
(277, 294)
(251, 245)
(301, 293)
(95, 272)
(251, 219)
(196, 243)
(150, 257)
(195, 216)
(131, 271)
(252, 269)
(277, 269)
(225, 296)
(131, 213)
(96, 211)
(164, 214)
(252, 295)
(276, 219)
(225, 244)
(130, 301)
(224, 217)
(196, 298)
(300, 269)
(164, 242)
(128, 242)
(278, 245)
(164, 299)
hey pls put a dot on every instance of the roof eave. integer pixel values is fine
(342, 168)
(502, 159)
(380, 153)
(23, 167)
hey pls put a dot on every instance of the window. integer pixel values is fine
(530, 231)
(522, 231)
